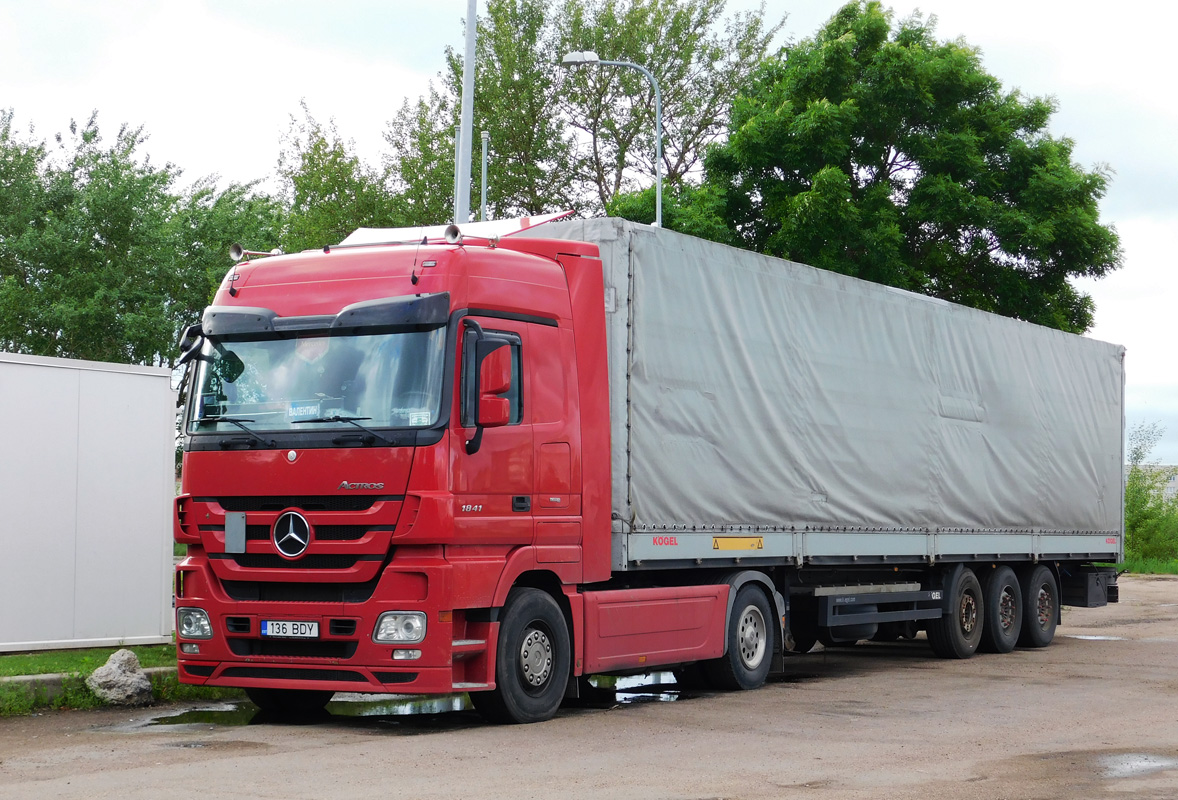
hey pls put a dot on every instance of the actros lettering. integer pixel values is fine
(353, 486)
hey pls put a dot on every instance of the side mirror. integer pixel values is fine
(494, 360)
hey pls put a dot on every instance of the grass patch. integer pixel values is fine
(81, 661)
(179, 550)
(1150, 566)
(18, 700)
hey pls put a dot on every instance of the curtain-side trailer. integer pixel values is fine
(499, 465)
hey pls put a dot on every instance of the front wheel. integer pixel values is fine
(1040, 607)
(958, 632)
(532, 661)
(750, 643)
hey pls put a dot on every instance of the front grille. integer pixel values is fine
(283, 592)
(298, 674)
(292, 648)
(237, 624)
(202, 670)
(324, 533)
(346, 502)
(395, 677)
(321, 561)
(340, 533)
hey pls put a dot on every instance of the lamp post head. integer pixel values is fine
(580, 58)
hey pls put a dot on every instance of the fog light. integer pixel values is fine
(404, 627)
(190, 648)
(406, 655)
(193, 623)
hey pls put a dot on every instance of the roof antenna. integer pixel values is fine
(413, 275)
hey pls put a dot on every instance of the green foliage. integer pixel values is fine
(100, 257)
(1151, 520)
(694, 210)
(698, 58)
(516, 102)
(83, 661)
(421, 163)
(877, 151)
(330, 191)
(561, 138)
(1149, 566)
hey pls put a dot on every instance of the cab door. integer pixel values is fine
(493, 487)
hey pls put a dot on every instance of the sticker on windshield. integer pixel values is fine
(419, 418)
(302, 409)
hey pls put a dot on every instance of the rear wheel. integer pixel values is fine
(1040, 607)
(958, 632)
(289, 702)
(1004, 611)
(750, 643)
(532, 661)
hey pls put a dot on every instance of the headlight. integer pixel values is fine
(400, 627)
(193, 623)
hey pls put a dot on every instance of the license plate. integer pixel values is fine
(289, 629)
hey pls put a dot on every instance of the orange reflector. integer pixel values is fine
(445, 616)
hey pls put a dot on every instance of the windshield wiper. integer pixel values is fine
(350, 421)
(239, 422)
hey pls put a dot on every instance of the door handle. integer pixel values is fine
(521, 502)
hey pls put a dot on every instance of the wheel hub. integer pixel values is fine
(969, 614)
(752, 637)
(1007, 609)
(535, 657)
(1044, 608)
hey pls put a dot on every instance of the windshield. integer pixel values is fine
(391, 380)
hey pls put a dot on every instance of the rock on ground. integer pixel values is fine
(121, 681)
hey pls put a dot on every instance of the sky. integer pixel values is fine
(215, 83)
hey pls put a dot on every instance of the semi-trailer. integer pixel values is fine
(434, 461)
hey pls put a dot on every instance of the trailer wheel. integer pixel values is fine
(289, 702)
(1040, 607)
(532, 661)
(746, 663)
(1004, 611)
(957, 633)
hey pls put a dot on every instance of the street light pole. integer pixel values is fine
(588, 58)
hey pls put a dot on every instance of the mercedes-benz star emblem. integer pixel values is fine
(292, 534)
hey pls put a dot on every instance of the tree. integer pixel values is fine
(698, 59)
(880, 152)
(576, 138)
(329, 190)
(1151, 519)
(421, 164)
(86, 278)
(516, 101)
(206, 222)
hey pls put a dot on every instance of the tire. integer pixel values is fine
(289, 702)
(749, 654)
(1040, 607)
(958, 633)
(532, 663)
(1004, 611)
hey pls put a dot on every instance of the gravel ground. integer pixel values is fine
(1095, 715)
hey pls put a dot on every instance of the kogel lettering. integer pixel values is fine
(665, 541)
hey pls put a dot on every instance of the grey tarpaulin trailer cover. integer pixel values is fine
(841, 421)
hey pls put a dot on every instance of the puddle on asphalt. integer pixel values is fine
(1093, 638)
(1134, 765)
(653, 687)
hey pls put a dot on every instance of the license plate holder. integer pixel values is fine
(290, 629)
